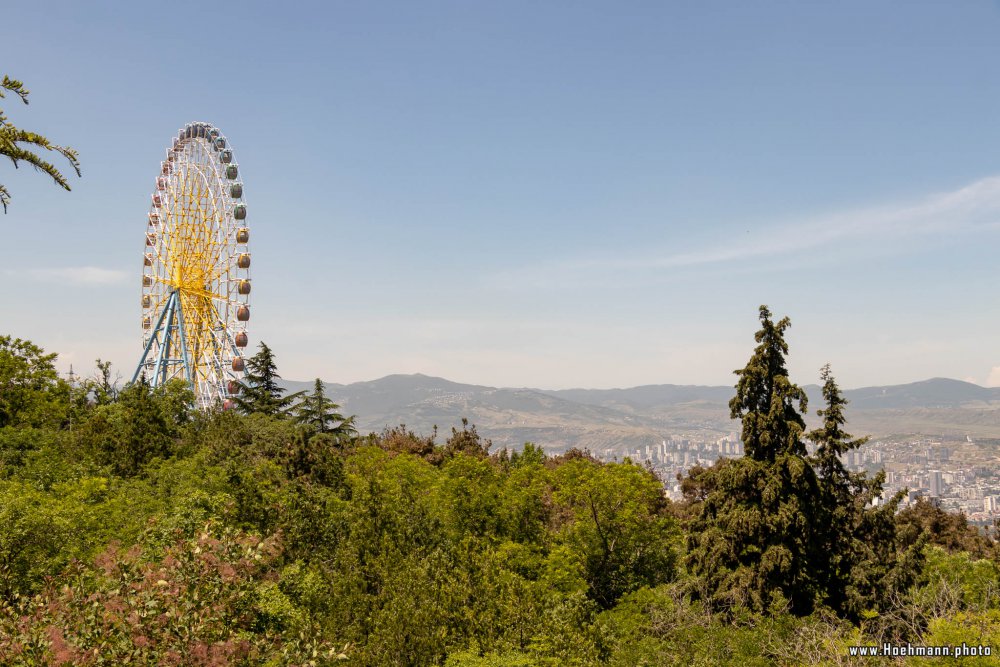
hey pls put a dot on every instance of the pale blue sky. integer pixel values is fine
(546, 194)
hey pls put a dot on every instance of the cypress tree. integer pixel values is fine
(753, 543)
(781, 528)
(861, 564)
(765, 398)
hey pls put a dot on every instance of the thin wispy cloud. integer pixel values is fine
(975, 207)
(71, 275)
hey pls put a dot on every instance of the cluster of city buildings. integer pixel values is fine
(962, 475)
(672, 457)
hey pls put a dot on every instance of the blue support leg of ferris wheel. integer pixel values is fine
(149, 345)
(160, 369)
(184, 347)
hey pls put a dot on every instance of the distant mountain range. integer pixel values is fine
(624, 419)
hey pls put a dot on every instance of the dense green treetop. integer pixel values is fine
(754, 541)
(863, 558)
(31, 393)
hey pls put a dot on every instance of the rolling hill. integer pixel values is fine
(633, 417)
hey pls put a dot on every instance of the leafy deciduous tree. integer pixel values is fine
(621, 530)
(31, 393)
(139, 426)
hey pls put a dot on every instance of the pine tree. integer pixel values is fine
(260, 391)
(320, 412)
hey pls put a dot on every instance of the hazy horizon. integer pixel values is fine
(297, 381)
(522, 195)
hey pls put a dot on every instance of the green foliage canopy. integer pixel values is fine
(31, 393)
(152, 533)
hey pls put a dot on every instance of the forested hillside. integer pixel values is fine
(136, 530)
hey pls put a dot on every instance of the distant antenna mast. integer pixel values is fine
(72, 385)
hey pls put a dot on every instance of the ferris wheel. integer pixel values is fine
(196, 269)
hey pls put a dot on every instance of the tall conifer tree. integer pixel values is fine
(322, 414)
(858, 540)
(260, 391)
(765, 398)
(779, 527)
(753, 543)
